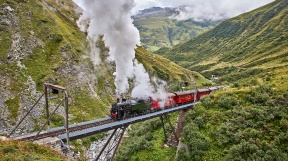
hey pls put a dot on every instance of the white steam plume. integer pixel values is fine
(112, 19)
(161, 92)
(143, 87)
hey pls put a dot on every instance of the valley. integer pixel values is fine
(159, 30)
(40, 42)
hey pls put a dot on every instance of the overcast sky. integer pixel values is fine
(202, 9)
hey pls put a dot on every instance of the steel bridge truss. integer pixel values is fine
(171, 137)
(54, 91)
(109, 150)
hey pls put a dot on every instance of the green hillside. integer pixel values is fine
(244, 124)
(40, 42)
(257, 39)
(167, 70)
(51, 48)
(247, 120)
(13, 150)
(160, 31)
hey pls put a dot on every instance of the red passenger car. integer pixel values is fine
(184, 96)
(164, 101)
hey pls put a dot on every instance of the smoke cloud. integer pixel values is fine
(112, 19)
(205, 9)
(142, 87)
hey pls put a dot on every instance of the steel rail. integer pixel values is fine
(59, 131)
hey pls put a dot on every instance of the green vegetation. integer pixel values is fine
(165, 69)
(146, 141)
(256, 39)
(13, 150)
(238, 125)
(13, 105)
(249, 123)
(160, 31)
(57, 120)
(85, 142)
(248, 120)
(49, 47)
(88, 108)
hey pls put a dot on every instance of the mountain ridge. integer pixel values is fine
(235, 41)
(49, 47)
(256, 39)
(158, 29)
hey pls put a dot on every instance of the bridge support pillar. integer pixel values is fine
(109, 150)
(173, 138)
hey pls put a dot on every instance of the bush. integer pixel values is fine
(207, 101)
(183, 155)
(207, 84)
(236, 85)
(227, 102)
(248, 150)
(58, 38)
(57, 120)
(260, 95)
(197, 143)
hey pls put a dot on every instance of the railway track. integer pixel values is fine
(55, 132)
(61, 130)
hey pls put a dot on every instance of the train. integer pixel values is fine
(128, 108)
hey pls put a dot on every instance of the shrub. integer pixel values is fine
(58, 38)
(260, 95)
(254, 82)
(207, 84)
(236, 85)
(183, 155)
(227, 102)
(207, 102)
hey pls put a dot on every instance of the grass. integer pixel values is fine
(161, 31)
(169, 71)
(146, 142)
(237, 117)
(13, 105)
(87, 108)
(253, 39)
(58, 44)
(6, 40)
(80, 145)
(13, 150)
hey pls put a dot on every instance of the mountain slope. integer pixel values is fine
(13, 150)
(255, 39)
(40, 42)
(158, 30)
(245, 121)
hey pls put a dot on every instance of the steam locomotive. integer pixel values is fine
(131, 107)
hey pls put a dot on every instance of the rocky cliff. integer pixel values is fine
(40, 42)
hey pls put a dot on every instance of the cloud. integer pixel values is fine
(205, 9)
(80, 3)
(112, 19)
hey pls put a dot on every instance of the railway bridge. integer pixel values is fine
(68, 132)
